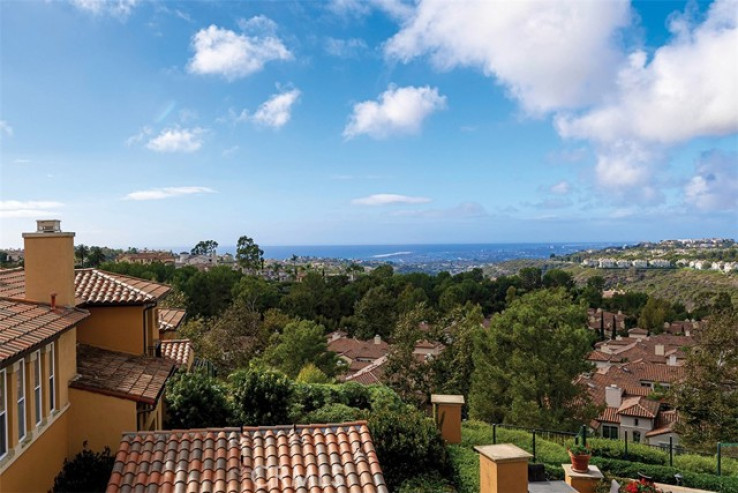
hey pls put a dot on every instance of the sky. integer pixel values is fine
(159, 124)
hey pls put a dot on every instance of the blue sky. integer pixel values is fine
(381, 121)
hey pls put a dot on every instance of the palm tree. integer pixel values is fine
(81, 252)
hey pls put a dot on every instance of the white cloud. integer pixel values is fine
(116, 8)
(714, 187)
(139, 137)
(5, 128)
(398, 110)
(399, 9)
(276, 111)
(549, 55)
(177, 140)
(389, 199)
(561, 188)
(259, 24)
(29, 208)
(687, 89)
(223, 52)
(345, 48)
(167, 192)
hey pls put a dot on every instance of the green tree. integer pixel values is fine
(257, 293)
(654, 314)
(301, 343)
(311, 374)
(557, 278)
(95, 256)
(80, 253)
(261, 397)
(248, 254)
(530, 278)
(596, 282)
(87, 471)
(376, 313)
(196, 400)
(453, 369)
(210, 292)
(205, 247)
(526, 363)
(707, 398)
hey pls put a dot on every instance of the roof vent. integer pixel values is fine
(48, 226)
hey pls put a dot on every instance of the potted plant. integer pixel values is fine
(580, 455)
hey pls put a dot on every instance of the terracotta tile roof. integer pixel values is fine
(597, 355)
(370, 374)
(327, 458)
(12, 283)
(609, 415)
(26, 325)
(354, 348)
(170, 318)
(92, 287)
(665, 422)
(97, 287)
(639, 407)
(137, 378)
(643, 371)
(178, 350)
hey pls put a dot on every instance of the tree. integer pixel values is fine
(311, 374)
(206, 247)
(654, 314)
(375, 313)
(196, 400)
(261, 397)
(248, 254)
(88, 471)
(530, 278)
(80, 253)
(557, 278)
(707, 398)
(453, 369)
(95, 257)
(526, 363)
(301, 343)
(210, 292)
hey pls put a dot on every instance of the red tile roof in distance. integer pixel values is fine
(170, 318)
(137, 378)
(328, 458)
(25, 326)
(12, 283)
(97, 287)
(177, 350)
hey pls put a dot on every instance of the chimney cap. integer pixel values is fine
(447, 399)
(48, 226)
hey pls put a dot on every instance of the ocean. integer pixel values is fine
(427, 253)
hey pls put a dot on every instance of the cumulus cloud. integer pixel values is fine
(177, 140)
(28, 208)
(5, 128)
(389, 199)
(549, 55)
(687, 90)
(277, 110)
(220, 51)
(714, 186)
(167, 192)
(399, 110)
(116, 8)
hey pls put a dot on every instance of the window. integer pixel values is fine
(21, 399)
(637, 436)
(37, 388)
(610, 432)
(635, 421)
(52, 375)
(3, 416)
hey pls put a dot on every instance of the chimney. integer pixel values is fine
(49, 263)
(613, 396)
(672, 360)
(503, 468)
(447, 414)
(687, 332)
(377, 339)
(659, 349)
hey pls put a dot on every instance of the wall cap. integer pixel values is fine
(504, 452)
(447, 399)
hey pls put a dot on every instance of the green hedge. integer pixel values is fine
(465, 463)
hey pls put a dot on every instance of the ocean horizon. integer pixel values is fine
(421, 253)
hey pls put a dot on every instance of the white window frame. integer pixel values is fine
(4, 414)
(37, 394)
(20, 393)
(52, 380)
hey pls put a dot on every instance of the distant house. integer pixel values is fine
(147, 257)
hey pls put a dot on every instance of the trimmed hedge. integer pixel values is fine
(465, 463)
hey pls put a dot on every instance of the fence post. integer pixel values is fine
(671, 451)
(494, 434)
(626, 444)
(583, 431)
(719, 458)
(534, 445)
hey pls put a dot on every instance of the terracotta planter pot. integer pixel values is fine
(579, 463)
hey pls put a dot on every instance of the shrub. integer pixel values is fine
(196, 400)
(465, 464)
(407, 444)
(615, 449)
(87, 472)
(334, 413)
(261, 396)
(426, 483)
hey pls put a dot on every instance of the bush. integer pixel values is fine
(407, 444)
(465, 464)
(334, 413)
(426, 483)
(87, 472)
(615, 449)
(261, 397)
(196, 400)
